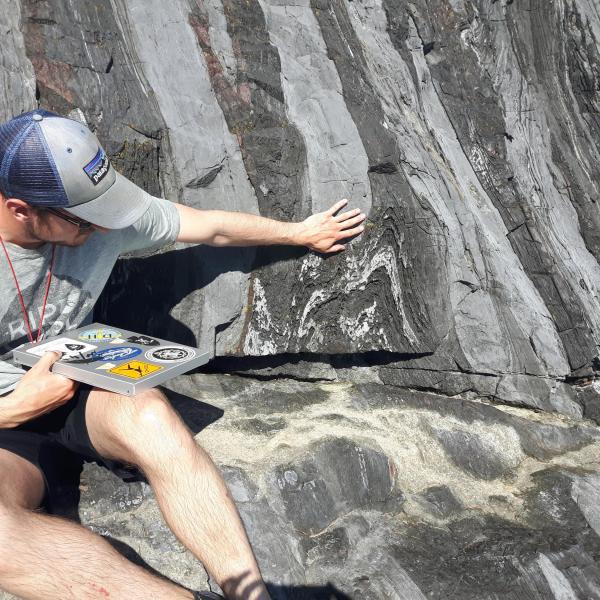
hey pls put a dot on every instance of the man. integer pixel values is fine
(65, 217)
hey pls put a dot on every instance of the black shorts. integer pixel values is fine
(58, 444)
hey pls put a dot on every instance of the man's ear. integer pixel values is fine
(19, 209)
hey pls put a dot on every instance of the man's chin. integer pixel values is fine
(78, 241)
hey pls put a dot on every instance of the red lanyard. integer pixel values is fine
(25, 315)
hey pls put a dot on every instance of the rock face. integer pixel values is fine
(465, 130)
(464, 315)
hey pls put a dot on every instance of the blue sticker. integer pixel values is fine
(118, 353)
(98, 167)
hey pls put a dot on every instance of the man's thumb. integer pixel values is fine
(48, 359)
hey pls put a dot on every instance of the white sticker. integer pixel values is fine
(106, 366)
(71, 349)
(118, 341)
(169, 354)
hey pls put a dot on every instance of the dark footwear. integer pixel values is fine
(207, 596)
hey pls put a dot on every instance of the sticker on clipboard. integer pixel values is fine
(71, 349)
(170, 354)
(135, 369)
(143, 340)
(119, 353)
(106, 366)
(99, 335)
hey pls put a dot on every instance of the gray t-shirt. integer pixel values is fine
(79, 276)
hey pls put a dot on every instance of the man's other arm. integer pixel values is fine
(38, 392)
(321, 232)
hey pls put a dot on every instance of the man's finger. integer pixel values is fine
(346, 215)
(336, 248)
(337, 206)
(353, 220)
(353, 231)
(48, 359)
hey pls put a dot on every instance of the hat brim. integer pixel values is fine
(119, 207)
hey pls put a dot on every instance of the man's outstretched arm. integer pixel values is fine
(322, 232)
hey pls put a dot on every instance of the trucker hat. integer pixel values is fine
(50, 161)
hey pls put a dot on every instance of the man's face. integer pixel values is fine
(47, 226)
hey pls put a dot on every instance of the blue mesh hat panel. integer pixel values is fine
(27, 170)
(32, 175)
(9, 134)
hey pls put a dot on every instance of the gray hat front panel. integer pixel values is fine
(73, 146)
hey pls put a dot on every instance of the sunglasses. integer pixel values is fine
(73, 220)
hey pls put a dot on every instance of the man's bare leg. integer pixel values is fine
(48, 557)
(144, 430)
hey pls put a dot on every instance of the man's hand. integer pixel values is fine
(39, 391)
(322, 231)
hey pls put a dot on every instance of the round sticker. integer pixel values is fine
(170, 354)
(96, 335)
(118, 353)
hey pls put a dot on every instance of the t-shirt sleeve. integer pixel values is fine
(9, 376)
(157, 227)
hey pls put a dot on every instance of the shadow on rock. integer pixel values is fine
(196, 414)
(164, 280)
(271, 362)
(289, 592)
(308, 592)
(130, 554)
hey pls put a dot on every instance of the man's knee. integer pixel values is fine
(21, 482)
(150, 421)
(152, 409)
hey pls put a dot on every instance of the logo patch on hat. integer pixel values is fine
(98, 167)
